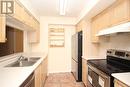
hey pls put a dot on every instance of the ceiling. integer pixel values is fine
(51, 7)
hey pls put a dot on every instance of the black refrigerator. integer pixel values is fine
(76, 65)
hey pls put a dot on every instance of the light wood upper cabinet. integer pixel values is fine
(22, 15)
(26, 17)
(81, 25)
(100, 22)
(18, 11)
(121, 12)
(116, 14)
(105, 19)
(34, 36)
(118, 83)
(21, 18)
(78, 28)
(95, 28)
(2, 29)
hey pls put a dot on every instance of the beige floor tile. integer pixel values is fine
(62, 80)
(52, 85)
(67, 85)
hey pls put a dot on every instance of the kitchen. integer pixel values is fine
(41, 42)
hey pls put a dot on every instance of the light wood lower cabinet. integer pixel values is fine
(38, 76)
(44, 70)
(118, 83)
(84, 71)
(41, 73)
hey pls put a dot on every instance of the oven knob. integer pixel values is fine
(127, 55)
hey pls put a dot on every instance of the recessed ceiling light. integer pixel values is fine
(63, 4)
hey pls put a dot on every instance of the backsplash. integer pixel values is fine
(118, 41)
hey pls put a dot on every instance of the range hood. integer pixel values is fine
(122, 28)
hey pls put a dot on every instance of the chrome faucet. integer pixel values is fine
(20, 58)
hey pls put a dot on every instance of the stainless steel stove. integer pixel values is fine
(100, 70)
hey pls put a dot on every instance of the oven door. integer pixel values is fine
(96, 78)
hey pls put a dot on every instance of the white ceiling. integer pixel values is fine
(51, 7)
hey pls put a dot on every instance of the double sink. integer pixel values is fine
(24, 62)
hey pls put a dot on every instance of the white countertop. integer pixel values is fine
(15, 76)
(123, 77)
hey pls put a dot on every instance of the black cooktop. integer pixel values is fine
(110, 65)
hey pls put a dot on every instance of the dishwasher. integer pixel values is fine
(29, 82)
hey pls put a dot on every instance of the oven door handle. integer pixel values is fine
(99, 72)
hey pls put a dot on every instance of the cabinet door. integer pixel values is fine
(34, 36)
(2, 29)
(78, 28)
(117, 83)
(81, 25)
(121, 12)
(18, 40)
(36, 24)
(95, 29)
(18, 11)
(44, 71)
(84, 71)
(38, 76)
(26, 17)
(105, 19)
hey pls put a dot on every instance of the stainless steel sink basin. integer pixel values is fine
(21, 64)
(34, 58)
(31, 59)
(24, 63)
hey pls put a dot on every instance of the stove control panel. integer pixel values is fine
(119, 54)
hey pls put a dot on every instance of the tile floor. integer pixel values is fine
(62, 80)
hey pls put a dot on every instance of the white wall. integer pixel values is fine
(118, 41)
(62, 55)
(60, 58)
